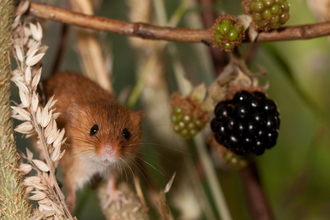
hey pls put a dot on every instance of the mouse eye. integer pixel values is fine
(94, 130)
(126, 133)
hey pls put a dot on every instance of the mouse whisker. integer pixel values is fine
(139, 168)
(122, 161)
(150, 165)
(160, 145)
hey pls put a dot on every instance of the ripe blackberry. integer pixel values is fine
(267, 14)
(227, 32)
(247, 123)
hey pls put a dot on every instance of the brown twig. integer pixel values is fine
(141, 30)
(257, 200)
(153, 32)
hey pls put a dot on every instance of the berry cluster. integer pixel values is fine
(247, 123)
(269, 14)
(227, 33)
(234, 160)
(184, 124)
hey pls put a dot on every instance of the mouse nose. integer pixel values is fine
(107, 149)
(108, 153)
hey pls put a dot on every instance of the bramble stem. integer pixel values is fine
(148, 31)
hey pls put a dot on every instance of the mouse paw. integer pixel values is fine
(115, 196)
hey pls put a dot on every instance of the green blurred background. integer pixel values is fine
(295, 173)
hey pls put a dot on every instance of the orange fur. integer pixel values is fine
(83, 104)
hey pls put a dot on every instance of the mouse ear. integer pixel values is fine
(74, 111)
(138, 116)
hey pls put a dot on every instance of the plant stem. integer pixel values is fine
(212, 178)
(257, 199)
(147, 31)
(14, 203)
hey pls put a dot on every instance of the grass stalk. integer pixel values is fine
(14, 203)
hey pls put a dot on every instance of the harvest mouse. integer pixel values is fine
(102, 134)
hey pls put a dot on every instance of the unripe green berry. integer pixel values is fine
(200, 124)
(284, 17)
(181, 125)
(275, 26)
(274, 9)
(227, 46)
(268, 3)
(256, 16)
(242, 163)
(191, 125)
(174, 118)
(193, 132)
(176, 128)
(279, 2)
(266, 13)
(187, 119)
(224, 28)
(184, 133)
(217, 27)
(177, 110)
(285, 6)
(274, 19)
(226, 20)
(258, 7)
(233, 34)
(217, 37)
(252, 6)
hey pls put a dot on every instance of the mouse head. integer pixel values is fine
(105, 131)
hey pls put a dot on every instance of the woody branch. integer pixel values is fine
(148, 31)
